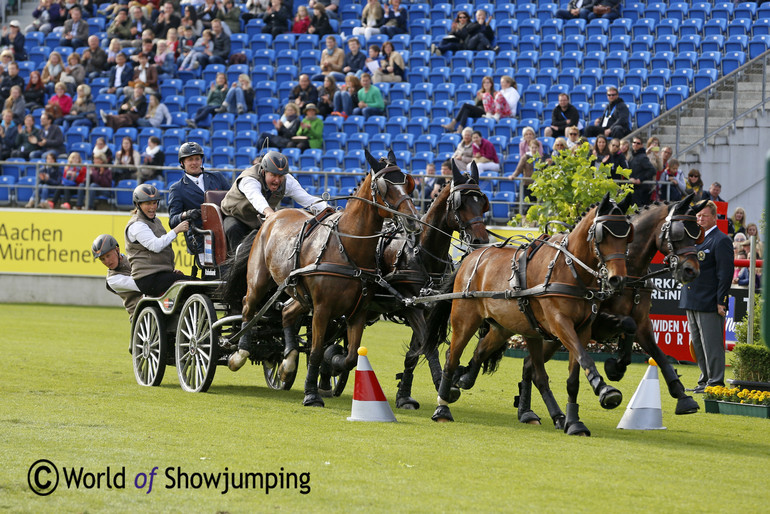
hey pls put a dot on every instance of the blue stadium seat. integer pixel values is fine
(704, 77)
(375, 125)
(689, 43)
(636, 76)
(700, 11)
(652, 94)
(758, 45)
(676, 95)
(619, 43)
(395, 125)
(691, 26)
(732, 61)
(683, 77)
(357, 141)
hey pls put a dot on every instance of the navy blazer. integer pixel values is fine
(184, 195)
(711, 288)
(126, 77)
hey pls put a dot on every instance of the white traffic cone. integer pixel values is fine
(369, 402)
(644, 410)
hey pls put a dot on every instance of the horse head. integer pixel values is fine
(678, 237)
(467, 204)
(610, 233)
(392, 188)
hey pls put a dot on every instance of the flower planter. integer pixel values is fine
(737, 409)
(744, 384)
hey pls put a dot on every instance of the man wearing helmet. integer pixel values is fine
(185, 196)
(119, 281)
(148, 245)
(257, 192)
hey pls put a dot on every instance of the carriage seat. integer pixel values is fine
(212, 218)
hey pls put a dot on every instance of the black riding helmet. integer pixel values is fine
(274, 162)
(103, 244)
(145, 193)
(187, 149)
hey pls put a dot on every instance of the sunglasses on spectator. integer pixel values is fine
(694, 175)
(637, 142)
(612, 94)
(461, 16)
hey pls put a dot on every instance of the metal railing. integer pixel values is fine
(727, 85)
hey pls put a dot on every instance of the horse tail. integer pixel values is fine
(490, 365)
(234, 285)
(438, 319)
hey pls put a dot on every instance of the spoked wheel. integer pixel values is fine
(273, 377)
(149, 347)
(196, 344)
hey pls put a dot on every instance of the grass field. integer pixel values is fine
(68, 395)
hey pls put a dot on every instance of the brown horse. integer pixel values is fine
(332, 270)
(413, 267)
(560, 306)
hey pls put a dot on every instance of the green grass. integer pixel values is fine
(69, 395)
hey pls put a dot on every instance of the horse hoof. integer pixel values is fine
(559, 422)
(613, 370)
(610, 397)
(686, 405)
(313, 400)
(325, 393)
(529, 417)
(407, 403)
(577, 428)
(288, 366)
(442, 414)
(454, 395)
(465, 382)
(237, 360)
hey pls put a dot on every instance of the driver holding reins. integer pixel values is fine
(257, 192)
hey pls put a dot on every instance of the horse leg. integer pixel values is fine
(289, 318)
(616, 368)
(339, 362)
(320, 322)
(416, 319)
(463, 327)
(540, 352)
(685, 403)
(255, 292)
(494, 338)
(573, 425)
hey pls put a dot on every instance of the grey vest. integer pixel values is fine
(130, 298)
(236, 204)
(144, 262)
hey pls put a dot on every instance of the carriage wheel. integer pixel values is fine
(149, 347)
(196, 344)
(273, 377)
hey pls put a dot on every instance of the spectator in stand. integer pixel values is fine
(130, 111)
(606, 9)
(34, 92)
(47, 16)
(694, 185)
(94, 58)
(601, 150)
(83, 111)
(371, 19)
(665, 155)
(326, 96)
(392, 67)
(573, 138)
(230, 16)
(194, 57)
(221, 52)
(59, 104)
(14, 39)
(614, 122)
(165, 20)
(75, 31)
(463, 154)
(625, 148)
(152, 156)
(507, 99)
(301, 21)
(319, 23)
(6, 58)
(575, 9)
(484, 106)
(457, 37)
(186, 45)
(26, 136)
(563, 116)
(332, 59)
(617, 160)
(120, 28)
(642, 170)
(304, 92)
(286, 128)
(172, 39)
(670, 184)
(484, 153)
(737, 223)
(347, 96)
(139, 23)
(190, 19)
(165, 61)
(310, 133)
(102, 149)
(10, 79)
(74, 73)
(144, 73)
(713, 193)
(370, 102)
(394, 19)
(9, 129)
(157, 114)
(355, 60)
(208, 12)
(48, 176)
(126, 160)
(276, 19)
(752, 230)
(526, 166)
(528, 135)
(73, 179)
(240, 97)
(255, 9)
(372, 61)
(52, 72)
(480, 34)
(559, 145)
(113, 49)
(331, 7)
(434, 186)
(147, 48)
(653, 152)
(120, 75)
(214, 100)
(101, 180)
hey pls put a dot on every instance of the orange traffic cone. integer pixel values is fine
(369, 402)
(644, 410)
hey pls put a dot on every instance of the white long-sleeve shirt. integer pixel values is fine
(122, 283)
(252, 189)
(141, 232)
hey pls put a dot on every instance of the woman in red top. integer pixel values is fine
(484, 153)
(301, 21)
(62, 99)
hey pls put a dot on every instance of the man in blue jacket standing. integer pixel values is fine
(186, 195)
(705, 300)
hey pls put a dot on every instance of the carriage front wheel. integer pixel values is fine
(149, 347)
(196, 344)
(273, 376)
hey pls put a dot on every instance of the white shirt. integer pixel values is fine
(252, 188)
(198, 181)
(122, 283)
(140, 232)
(511, 95)
(118, 73)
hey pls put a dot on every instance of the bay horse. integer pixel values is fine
(413, 267)
(560, 306)
(332, 270)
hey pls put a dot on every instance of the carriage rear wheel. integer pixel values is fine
(196, 344)
(149, 347)
(273, 377)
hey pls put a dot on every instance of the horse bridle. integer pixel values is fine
(673, 230)
(455, 200)
(385, 176)
(616, 225)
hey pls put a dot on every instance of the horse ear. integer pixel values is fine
(605, 205)
(474, 171)
(391, 157)
(457, 177)
(683, 205)
(699, 206)
(372, 161)
(625, 203)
